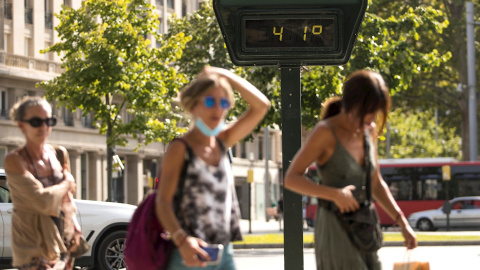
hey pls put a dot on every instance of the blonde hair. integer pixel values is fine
(17, 112)
(190, 94)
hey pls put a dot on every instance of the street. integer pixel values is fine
(440, 257)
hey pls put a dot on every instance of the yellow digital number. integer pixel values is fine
(280, 34)
(305, 33)
(317, 29)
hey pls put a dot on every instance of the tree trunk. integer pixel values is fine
(110, 197)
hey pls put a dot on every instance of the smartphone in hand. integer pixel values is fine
(215, 252)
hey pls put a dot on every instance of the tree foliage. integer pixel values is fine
(110, 68)
(444, 88)
(391, 44)
(416, 134)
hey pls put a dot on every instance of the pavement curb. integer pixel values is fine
(385, 244)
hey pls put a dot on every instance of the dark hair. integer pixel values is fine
(366, 92)
(331, 107)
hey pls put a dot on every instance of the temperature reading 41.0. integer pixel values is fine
(290, 33)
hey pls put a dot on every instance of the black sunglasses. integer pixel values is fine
(38, 122)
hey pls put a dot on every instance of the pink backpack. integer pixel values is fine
(147, 246)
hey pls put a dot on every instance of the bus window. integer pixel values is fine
(468, 185)
(400, 186)
(431, 189)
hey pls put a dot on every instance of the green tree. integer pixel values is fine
(111, 67)
(391, 45)
(416, 134)
(444, 88)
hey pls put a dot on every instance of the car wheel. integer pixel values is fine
(110, 252)
(425, 225)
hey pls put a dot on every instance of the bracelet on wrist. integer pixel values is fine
(184, 239)
(177, 233)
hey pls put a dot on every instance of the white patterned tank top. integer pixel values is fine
(209, 207)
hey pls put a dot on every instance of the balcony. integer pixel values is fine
(19, 61)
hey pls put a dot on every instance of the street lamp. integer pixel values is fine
(250, 180)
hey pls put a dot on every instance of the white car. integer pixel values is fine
(465, 212)
(104, 226)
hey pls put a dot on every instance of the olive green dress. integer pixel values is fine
(333, 248)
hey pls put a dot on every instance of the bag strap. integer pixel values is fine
(181, 181)
(366, 146)
(225, 151)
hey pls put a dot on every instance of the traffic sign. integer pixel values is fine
(289, 33)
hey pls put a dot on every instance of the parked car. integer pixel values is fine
(104, 226)
(464, 212)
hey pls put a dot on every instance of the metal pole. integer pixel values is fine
(472, 82)
(249, 208)
(291, 142)
(267, 173)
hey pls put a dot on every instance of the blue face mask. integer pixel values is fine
(208, 131)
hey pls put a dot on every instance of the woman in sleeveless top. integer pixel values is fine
(38, 186)
(336, 145)
(209, 212)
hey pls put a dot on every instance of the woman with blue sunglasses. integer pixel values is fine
(39, 186)
(208, 213)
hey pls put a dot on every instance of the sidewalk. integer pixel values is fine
(272, 227)
(262, 227)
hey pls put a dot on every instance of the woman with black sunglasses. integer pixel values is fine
(38, 185)
(208, 212)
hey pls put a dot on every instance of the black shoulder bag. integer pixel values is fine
(363, 226)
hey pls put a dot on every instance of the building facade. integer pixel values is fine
(27, 26)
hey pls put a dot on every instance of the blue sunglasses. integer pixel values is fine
(210, 102)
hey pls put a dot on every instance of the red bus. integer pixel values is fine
(417, 184)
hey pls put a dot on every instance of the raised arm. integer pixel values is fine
(258, 105)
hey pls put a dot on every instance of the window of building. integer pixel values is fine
(48, 56)
(184, 8)
(67, 3)
(260, 148)
(28, 12)
(171, 4)
(67, 117)
(3, 104)
(7, 9)
(87, 121)
(28, 47)
(48, 14)
(243, 150)
(160, 26)
(5, 42)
